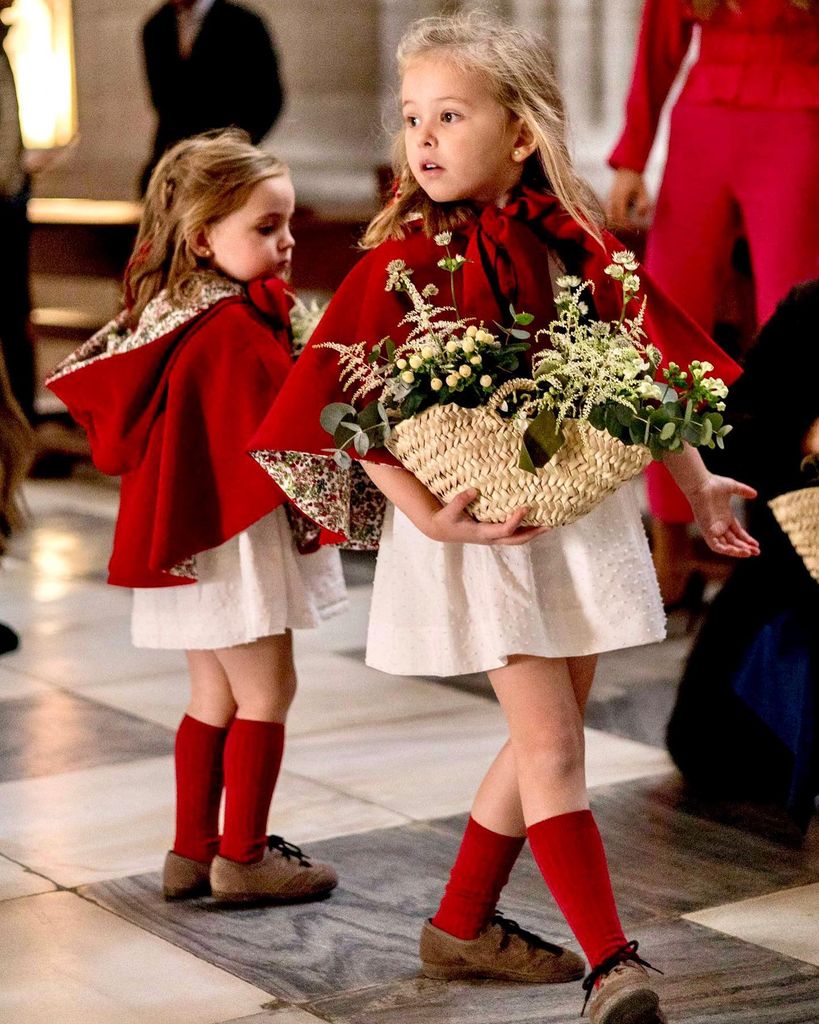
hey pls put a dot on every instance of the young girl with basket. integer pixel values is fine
(482, 157)
(170, 393)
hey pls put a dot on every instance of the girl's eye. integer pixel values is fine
(413, 121)
(449, 117)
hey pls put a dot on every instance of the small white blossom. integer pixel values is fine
(444, 238)
(430, 291)
(408, 376)
(452, 379)
(623, 256)
(453, 346)
(486, 380)
(476, 360)
(416, 362)
(401, 364)
(468, 345)
(568, 281)
(436, 383)
(427, 352)
(471, 331)
(465, 370)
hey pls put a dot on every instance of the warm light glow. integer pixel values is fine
(40, 46)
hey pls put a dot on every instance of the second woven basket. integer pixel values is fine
(451, 449)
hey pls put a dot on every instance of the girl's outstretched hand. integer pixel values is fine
(711, 505)
(453, 524)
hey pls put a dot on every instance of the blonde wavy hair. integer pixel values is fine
(197, 183)
(518, 68)
(705, 8)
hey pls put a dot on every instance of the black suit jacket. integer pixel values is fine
(230, 78)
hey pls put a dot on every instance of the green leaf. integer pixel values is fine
(625, 414)
(361, 442)
(668, 431)
(344, 433)
(543, 439)
(333, 414)
(519, 334)
(524, 318)
(597, 417)
(390, 349)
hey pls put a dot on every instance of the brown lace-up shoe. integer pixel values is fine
(183, 878)
(619, 991)
(503, 951)
(284, 875)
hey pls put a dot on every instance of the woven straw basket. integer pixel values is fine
(451, 449)
(798, 514)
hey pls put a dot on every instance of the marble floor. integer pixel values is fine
(377, 778)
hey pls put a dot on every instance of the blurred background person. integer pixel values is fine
(745, 721)
(209, 64)
(743, 157)
(15, 303)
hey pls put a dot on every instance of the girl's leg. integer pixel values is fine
(495, 834)
(543, 710)
(262, 681)
(200, 742)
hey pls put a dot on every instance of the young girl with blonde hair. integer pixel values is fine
(482, 154)
(170, 393)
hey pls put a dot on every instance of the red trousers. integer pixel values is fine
(727, 167)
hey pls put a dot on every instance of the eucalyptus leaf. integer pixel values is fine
(668, 431)
(333, 414)
(519, 334)
(361, 443)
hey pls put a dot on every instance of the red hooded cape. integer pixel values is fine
(170, 407)
(508, 251)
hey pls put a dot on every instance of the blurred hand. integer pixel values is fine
(453, 524)
(711, 505)
(629, 204)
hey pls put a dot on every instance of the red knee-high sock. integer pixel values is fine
(569, 852)
(253, 756)
(199, 748)
(480, 871)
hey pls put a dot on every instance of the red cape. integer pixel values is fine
(508, 262)
(173, 416)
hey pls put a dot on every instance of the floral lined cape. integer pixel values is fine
(170, 407)
(508, 252)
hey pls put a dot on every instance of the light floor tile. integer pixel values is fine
(334, 692)
(431, 766)
(612, 759)
(47, 496)
(14, 685)
(16, 881)
(112, 821)
(43, 604)
(287, 1015)
(89, 653)
(786, 922)
(67, 960)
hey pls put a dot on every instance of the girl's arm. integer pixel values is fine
(450, 523)
(710, 500)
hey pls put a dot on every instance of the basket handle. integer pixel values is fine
(505, 390)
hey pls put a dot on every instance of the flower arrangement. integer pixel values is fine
(582, 368)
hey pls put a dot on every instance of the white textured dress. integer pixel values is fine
(447, 609)
(255, 584)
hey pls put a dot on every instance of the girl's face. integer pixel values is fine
(461, 143)
(255, 240)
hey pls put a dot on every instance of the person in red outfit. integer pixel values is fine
(743, 151)
(170, 393)
(482, 156)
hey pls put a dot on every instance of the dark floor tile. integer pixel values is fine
(60, 732)
(359, 567)
(710, 979)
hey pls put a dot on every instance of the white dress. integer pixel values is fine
(448, 609)
(255, 584)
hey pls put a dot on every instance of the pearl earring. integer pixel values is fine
(515, 154)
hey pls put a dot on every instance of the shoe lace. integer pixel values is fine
(623, 955)
(510, 928)
(288, 850)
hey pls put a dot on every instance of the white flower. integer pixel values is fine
(623, 257)
(486, 380)
(444, 238)
(416, 362)
(484, 336)
(427, 352)
(452, 346)
(476, 360)
(568, 281)
(408, 376)
(471, 331)
(436, 383)
(649, 390)
(429, 291)
(631, 282)
(465, 370)
(468, 345)
(452, 379)
(401, 363)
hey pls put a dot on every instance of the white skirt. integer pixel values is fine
(255, 584)
(449, 609)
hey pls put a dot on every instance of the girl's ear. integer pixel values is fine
(200, 245)
(525, 143)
